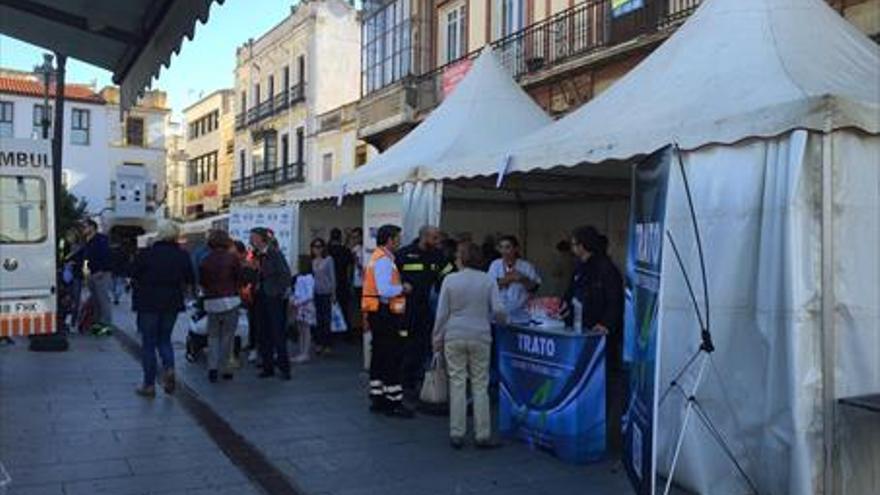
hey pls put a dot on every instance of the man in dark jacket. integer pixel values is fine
(343, 263)
(161, 274)
(270, 298)
(96, 255)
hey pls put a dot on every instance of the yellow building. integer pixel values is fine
(563, 52)
(210, 152)
(339, 151)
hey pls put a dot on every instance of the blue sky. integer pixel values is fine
(204, 64)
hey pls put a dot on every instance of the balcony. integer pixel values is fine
(270, 107)
(586, 29)
(269, 179)
(386, 115)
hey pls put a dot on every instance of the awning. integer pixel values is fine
(131, 38)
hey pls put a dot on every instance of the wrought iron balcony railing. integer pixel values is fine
(272, 106)
(583, 29)
(269, 179)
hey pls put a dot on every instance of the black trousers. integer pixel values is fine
(272, 337)
(323, 311)
(420, 324)
(387, 356)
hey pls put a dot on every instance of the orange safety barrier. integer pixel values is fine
(27, 324)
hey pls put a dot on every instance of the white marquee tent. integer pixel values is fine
(776, 104)
(487, 108)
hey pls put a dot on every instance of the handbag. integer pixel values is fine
(337, 319)
(435, 388)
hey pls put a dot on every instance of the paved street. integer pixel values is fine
(71, 424)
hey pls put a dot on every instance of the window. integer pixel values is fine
(6, 109)
(510, 14)
(285, 151)
(242, 164)
(360, 155)
(134, 131)
(301, 74)
(79, 128)
(454, 34)
(386, 49)
(256, 94)
(243, 102)
(22, 210)
(38, 120)
(300, 144)
(271, 157)
(286, 79)
(271, 87)
(327, 167)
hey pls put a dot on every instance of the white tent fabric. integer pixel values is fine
(486, 109)
(735, 69)
(422, 204)
(758, 205)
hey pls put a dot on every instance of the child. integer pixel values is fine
(303, 300)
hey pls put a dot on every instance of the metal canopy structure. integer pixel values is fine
(132, 38)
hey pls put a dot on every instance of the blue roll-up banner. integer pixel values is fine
(641, 322)
(553, 391)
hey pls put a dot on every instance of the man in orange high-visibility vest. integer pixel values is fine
(383, 303)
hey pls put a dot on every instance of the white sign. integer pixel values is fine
(380, 209)
(283, 221)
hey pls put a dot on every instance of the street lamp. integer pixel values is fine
(47, 71)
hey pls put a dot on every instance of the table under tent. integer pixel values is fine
(776, 109)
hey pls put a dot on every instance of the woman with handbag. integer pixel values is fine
(469, 299)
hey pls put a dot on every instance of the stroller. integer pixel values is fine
(197, 337)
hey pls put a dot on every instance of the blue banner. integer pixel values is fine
(623, 7)
(553, 391)
(641, 323)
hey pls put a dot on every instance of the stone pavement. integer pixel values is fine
(317, 430)
(71, 424)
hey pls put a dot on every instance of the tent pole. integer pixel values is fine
(828, 301)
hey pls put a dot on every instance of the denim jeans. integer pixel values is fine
(155, 330)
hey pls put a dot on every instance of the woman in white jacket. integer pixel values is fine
(469, 299)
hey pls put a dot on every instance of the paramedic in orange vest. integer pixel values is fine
(383, 304)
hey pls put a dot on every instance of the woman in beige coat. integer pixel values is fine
(463, 330)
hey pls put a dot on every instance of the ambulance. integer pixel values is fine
(27, 239)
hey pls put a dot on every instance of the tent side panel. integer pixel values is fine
(757, 208)
(856, 229)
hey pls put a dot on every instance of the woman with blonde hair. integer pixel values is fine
(160, 275)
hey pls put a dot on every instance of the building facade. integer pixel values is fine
(175, 171)
(210, 154)
(563, 52)
(338, 149)
(85, 150)
(305, 66)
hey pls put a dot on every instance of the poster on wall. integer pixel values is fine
(623, 7)
(641, 317)
(282, 220)
(380, 209)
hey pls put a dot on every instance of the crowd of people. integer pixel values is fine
(436, 296)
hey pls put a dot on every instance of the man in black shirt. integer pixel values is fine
(422, 265)
(343, 263)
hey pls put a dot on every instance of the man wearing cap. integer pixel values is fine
(272, 287)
